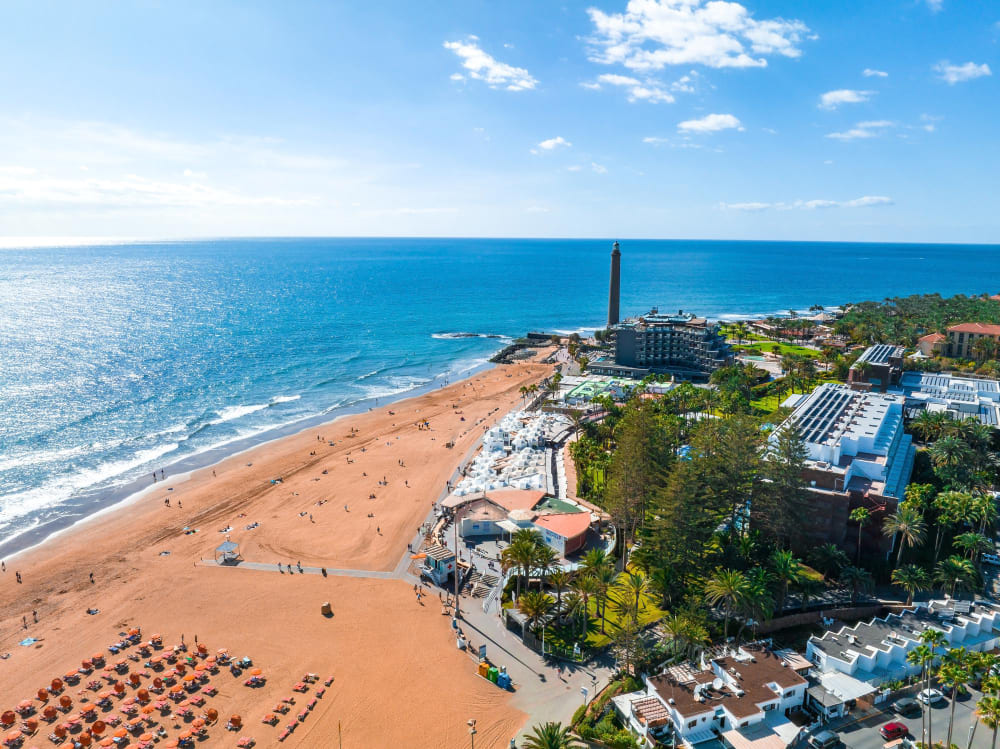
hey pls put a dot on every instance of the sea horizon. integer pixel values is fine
(126, 358)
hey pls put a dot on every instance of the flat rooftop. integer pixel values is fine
(833, 411)
(880, 353)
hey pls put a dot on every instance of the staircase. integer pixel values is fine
(478, 584)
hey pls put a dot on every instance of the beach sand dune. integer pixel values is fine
(400, 680)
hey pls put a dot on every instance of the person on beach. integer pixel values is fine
(154, 477)
(4, 566)
(18, 576)
(91, 578)
(167, 501)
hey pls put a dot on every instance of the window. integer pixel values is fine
(692, 724)
(769, 707)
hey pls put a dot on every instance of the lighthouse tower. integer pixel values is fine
(616, 260)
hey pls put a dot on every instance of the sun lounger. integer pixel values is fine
(284, 735)
(300, 687)
(328, 682)
(320, 692)
(302, 715)
(312, 703)
(209, 691)
(245, 741)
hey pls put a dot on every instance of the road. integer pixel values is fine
(865, 735)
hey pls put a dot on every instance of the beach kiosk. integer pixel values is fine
(227, 552)
(438, 564)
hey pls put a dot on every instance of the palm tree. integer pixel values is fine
(860, 515)
(988, 711)
(972, 544)
(534, 605)
(923, 655)
(664, 582)
(808, 588)
(955, 572)
(929, 425)
(520, 555)
(953, 673)
(544, 560)
(828, 559)
(727, 588)
(586, 587)
(857, 579)
(952, 508)
(550, 736)
(949, 456)
(787, 570)
(560, 580)
(575, 608)
(909, 524)
(984, 507)
(604, 576)
(594, 559)
(912, 578)
(634, 587)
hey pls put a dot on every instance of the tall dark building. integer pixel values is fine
(616, 260)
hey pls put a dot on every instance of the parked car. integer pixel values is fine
(824, 739)
(894, 730)
(930, 696)
(906, 706)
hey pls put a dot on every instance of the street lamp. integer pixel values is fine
(472, 733)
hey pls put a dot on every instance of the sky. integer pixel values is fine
(758, 119)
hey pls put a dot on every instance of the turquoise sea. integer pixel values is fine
(115, 360)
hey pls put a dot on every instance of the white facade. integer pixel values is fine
(876, 651)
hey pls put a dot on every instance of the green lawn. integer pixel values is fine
(781, 349)
(563, 637)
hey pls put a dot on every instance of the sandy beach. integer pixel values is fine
(348, 496)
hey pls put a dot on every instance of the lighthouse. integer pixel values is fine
(616, 260)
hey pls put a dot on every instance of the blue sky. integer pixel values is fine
(652, 118)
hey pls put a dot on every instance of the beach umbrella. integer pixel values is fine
(146, 737)
(198, 723)
(121, 733)
(119, 687)
(56, 685)
(106, 694)
(65, 700)
(134, 679)
(148, 709)
(143, 695)
(61, 730)
(97, 657)
(189, 678)
(85, 739)
(210, 659)
(236, 720)
(13, 736)
(158, 682)
(222, 651)
(185, 734)
(108, 741)
(256, 672)
(87, 665)
(98, 727)
(8, 717)
(212, 713)
(49, 712)
(171, 744)
(176, 689)
(43, 694)
(25, 705)
(133, 632)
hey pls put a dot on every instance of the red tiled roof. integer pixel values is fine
(981, 328)
(931, 338)
(515, 499)
(567, 525)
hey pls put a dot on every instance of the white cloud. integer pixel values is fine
(865, 201)
(652, 34)
(131, 190)
(711, 123)
(574, 168)
(867, 129)
(870, 73)
(833, 99)
(952, 74)
(929, 122)
(552, 144)
(598, 169)
(484, 67)
(935, 5)
(636, 90)
(592, 85)
(655, 140)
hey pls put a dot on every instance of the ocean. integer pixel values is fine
(116, 360)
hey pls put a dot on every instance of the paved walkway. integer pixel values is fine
(287, 569)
